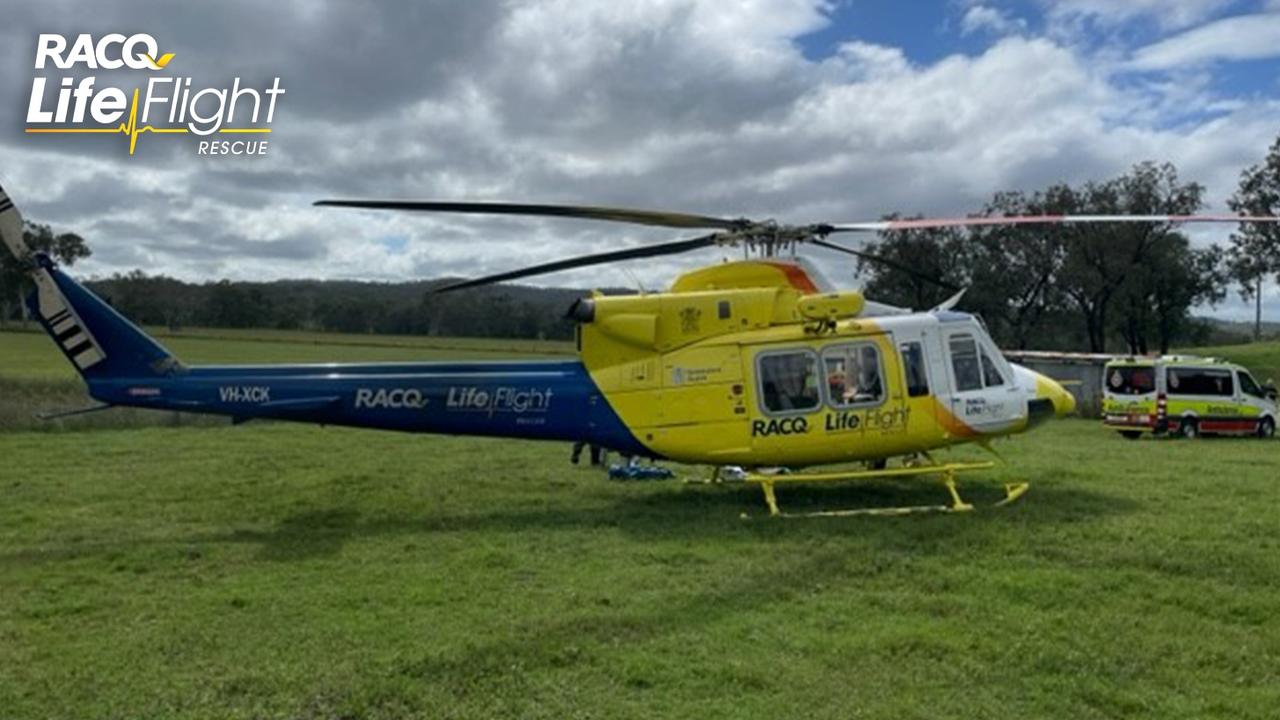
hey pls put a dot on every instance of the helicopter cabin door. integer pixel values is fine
(982, 392)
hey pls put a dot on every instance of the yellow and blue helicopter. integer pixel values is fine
(742, 366)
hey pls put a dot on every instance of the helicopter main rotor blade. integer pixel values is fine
(884, 261)
(658, 218)
(657, 250)
(930, 223)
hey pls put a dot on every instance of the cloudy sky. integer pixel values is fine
(800, 110)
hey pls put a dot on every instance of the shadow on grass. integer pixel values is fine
(310, 534)
(701, 512)
(712, 513)
(694, 512)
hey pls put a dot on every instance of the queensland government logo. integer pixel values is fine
(168, 105)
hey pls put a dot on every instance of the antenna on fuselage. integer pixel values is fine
(635, 280)
(950, 302)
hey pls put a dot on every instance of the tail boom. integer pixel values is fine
(538, 400)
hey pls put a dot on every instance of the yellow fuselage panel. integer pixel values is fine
(704, 405)
(627, 327)
(742, 274)
(895, 427)
(831, 306)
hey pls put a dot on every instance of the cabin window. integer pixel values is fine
(788, 381)
(723, 310)
(1131, 380)
(913, 367)
(1195, 381)
(853, 375)
(965, 363)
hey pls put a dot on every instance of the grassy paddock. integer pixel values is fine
(20, 400)
(288, 571)
(31, 355)
(1262, 359)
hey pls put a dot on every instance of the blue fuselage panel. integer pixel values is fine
(546, 400)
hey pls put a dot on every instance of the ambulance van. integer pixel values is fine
(1185, 396)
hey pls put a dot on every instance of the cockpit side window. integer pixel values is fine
(973, 364)
(788, 381)
(990, 372)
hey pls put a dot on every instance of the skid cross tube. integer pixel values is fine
(947, 472)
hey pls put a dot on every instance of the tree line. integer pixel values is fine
(1099, 287)
(343, 306)
(322, 305)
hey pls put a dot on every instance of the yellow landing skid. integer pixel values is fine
(947, 472)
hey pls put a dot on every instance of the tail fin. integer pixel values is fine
(99, 341)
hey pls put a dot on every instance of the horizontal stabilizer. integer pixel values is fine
(46, 416)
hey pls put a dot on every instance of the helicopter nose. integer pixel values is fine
(1064, 403)
(1048, 398)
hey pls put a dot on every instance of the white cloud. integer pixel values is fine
(985, 18)
(697, 106)
(864, 61)
(1166, 14)
(1245, 37)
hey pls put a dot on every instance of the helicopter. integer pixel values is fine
(758, 368)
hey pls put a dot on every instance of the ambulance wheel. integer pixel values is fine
(1189, 429)
(1130, 434)
(1267, 428)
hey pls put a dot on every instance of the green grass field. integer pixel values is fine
(282, 571)
(1263, 359)
(287, 571)
(31, 355)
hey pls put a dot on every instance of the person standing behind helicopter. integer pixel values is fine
(597, 452)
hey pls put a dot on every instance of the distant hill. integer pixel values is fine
(1262, 358)
(1228, 332)
(407, 308)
